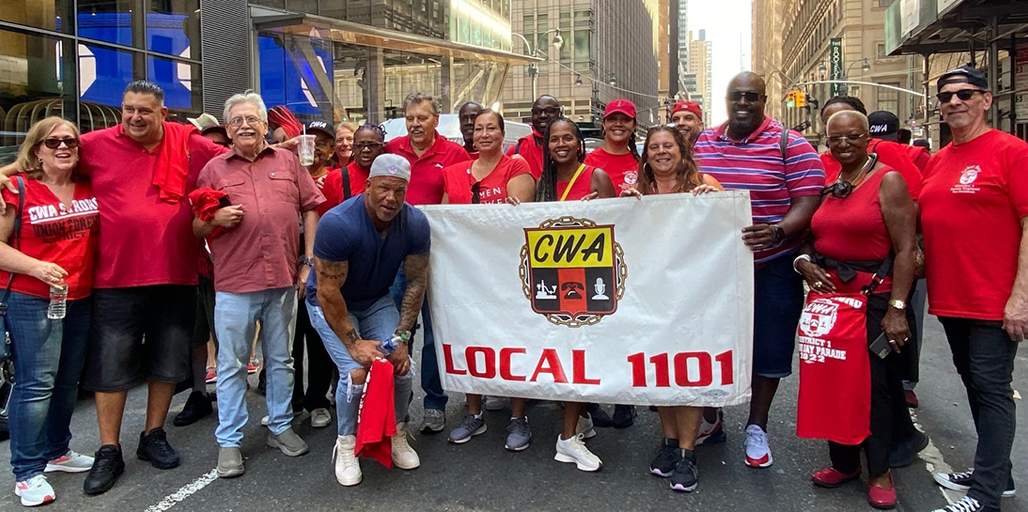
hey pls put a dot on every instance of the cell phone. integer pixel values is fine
(881, 346)
(224, 202)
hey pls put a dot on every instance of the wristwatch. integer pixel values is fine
(778, 233)
(898, 304)
(304, 260)
(404, 336)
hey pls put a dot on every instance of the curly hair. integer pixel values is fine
(687, 175)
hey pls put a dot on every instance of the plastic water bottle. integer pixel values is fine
(58, 302)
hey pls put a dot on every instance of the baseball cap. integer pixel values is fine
(204, 122)
(321, 126)
(687, 106)
(620, 105)
(965, 74)
(390, 165)
(883, 125)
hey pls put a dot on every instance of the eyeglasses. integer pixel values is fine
(750, 96)
(238, 120)
(550, 111)
(963, 94)
(840, 189)
(361, 146)
(54, 142)
(852, 138)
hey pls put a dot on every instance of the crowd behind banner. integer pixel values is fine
(308, 239)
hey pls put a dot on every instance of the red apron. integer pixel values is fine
(835, 369)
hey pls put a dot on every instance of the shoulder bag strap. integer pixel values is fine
(15, 239)
(345, 174)
(783, 144)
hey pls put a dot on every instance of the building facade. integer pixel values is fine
(701, 67)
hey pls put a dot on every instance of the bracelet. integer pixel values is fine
(801, 257)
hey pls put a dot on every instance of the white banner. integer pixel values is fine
(611, 301)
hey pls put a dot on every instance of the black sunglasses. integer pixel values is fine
(840, 189)
(963, 94)
(54, 142)
(750, 96)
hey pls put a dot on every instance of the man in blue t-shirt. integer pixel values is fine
(359, 246)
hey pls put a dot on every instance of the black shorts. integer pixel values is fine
(139, 334)
(203, 328)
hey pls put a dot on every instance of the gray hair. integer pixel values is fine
(863, 119)
(415, 98)
(246, 97)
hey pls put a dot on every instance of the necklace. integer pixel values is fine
(869, 164)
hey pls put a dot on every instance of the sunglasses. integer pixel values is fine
(963, 94)
(750, 96)
(840, 189)
(54, 142)
(361, 146)
(851, 138)
(551, 111)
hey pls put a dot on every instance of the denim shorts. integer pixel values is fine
(777, 306)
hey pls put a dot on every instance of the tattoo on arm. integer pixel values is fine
(415, 267)
(331, 275)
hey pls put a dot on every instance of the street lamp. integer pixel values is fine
(533, 69)
(613, 81)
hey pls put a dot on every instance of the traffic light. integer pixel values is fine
(790, 99)
(801, 99)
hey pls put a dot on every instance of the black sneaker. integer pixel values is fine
(600, 417)
(667, 457)
(107, 467)
(154, 448)
(966, 504)
(686, 477)
(902, 454)
(623, 416)
(962, 482)
(197, 407)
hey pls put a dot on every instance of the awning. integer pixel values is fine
(949, 26)
(347, 32)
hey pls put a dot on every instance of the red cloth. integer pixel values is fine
(457, 181)
(171, 169)
(426, 171)
(890, 154)
(283, 117)
(143, 240)
(835, 370)
(376, 421)
(974, 197)
(853, 229)
(530, 147)
(206, 202)
(582, 187)
(52, 232)
(622, 169)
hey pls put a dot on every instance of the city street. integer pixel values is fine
(481, 475)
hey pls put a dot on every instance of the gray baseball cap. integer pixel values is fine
(393, 166)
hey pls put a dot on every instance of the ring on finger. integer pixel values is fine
(817, 284)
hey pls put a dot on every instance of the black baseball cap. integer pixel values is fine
(883, 125)
(321, 126)
(965, 74)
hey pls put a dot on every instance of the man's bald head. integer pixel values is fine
(744, 103)
(749, 79)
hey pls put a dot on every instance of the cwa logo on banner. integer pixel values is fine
(613, 300)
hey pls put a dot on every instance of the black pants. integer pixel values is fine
(319, 364)
(984, 356)
(890, 419)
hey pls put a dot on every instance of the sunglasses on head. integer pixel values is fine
(54, 142)
(840, 189)
(749, 95)
(963, 94)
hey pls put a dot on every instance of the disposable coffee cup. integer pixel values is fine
(306, 150)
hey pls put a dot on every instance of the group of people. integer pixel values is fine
(333, 259)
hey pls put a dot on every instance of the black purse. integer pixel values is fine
(6, 364)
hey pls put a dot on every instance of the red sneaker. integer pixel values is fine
(212, 376)
(831, 478)
(882, 498)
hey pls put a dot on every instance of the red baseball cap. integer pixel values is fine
(620, 105)
(688, 106)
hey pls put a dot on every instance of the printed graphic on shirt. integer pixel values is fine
(56, 222)
(817, 326)
(572, 271)
(967, 178)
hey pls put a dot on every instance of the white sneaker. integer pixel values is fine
(35, 491)
(585, 427)
(404, 457)
(347, 467)
(70, 462)
(321, 418)
(758, 453)
(574, 450)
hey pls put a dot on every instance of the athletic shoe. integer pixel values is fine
(154, 448)
(966, 504)
(404, 456)
(288, 442)
(433, 421)
(758, 453)
(902, 454)
(962, 482)
(253, 366)
(667, 458)
(70, 462)
(347, 467)
(881, 498)
(585, 427)
(35, 491)
(107, 467)
(574, 451)
(519, 436)
(321, 418)
(469, 427)
(624, 416)
(686, 476)
(831, 478)
(198, 406)
(495, 403)
(230, 462)
(212, 375)
(712, 433)
(600, 418)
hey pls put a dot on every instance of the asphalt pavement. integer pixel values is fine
(482, 476)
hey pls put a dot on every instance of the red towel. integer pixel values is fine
(206, 202)
(172, 168)
(283, 117)
(376, 421)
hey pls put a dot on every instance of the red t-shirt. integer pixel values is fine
(56, 233)
(582, 187)
(426, 171)
(974, 197)
(889, 154)
(457, 181)
(332, 186)
(853, 229)
(531, 150)
(622, 169)
(143, 240)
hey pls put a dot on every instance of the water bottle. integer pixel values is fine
(391, 344)
(58, 302)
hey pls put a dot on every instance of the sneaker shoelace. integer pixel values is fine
(756, 438)
(470, 423)
(105, 460)
(402, 440)
(963, 475)
(966, 504)
(159, 441)
(518, 425)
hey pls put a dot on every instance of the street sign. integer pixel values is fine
(835, 64)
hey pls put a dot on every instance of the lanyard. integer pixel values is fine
(571, 183)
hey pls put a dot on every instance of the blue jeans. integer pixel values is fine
(48, 357)
(435, 397)
(234, 323)
(377, 322)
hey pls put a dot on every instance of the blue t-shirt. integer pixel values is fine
(346, 233)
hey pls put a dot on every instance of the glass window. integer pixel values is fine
(581, 46)
(104, 72)
(181, 82)
(308, 6)
(46, 14)
(173, 28)
(35, 82)
(888, 99)
(107, 20)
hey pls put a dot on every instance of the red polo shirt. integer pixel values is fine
(426, 171)
(260, 252)
(530, 147)
(142, 240)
